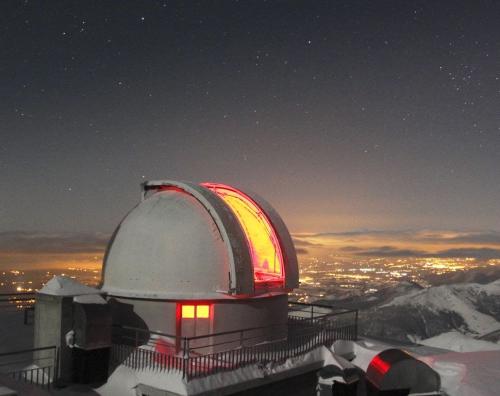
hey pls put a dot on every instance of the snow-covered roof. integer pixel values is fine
(90, 299)
(473, 373)
(186, 241)
(64, 286)
(458, 342)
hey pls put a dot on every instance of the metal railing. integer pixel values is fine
(36, 366)
(17, 302)
(314, 313)
(200, 356)
(267, 352)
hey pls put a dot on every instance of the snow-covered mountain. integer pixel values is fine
(458, 342)
(469, 308)
(369, 300)
(481, 275)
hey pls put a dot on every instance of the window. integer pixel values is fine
(202, 311)
(188, 311)
(195, 311)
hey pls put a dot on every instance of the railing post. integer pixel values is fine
(55, 378)
(185, 356)
(356, 326)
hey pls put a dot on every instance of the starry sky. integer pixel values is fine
(345, 115)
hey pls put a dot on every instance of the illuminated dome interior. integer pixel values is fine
(261, 237)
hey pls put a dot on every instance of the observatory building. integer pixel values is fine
(194, 301)
(197, 259)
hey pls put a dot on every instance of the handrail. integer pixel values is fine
(311, 305)
(241, 341)
(44, 374)
(338, 311)
(18, 294)
(27, 351)
(125, 327)
(238, 331)
(236, 348)
(203, 364)
(16, 299)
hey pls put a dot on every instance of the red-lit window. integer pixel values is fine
(202, 311)
(195, 311)
(188, 311)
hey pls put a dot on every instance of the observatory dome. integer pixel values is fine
(185, 240)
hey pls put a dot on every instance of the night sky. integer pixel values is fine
(345, 115)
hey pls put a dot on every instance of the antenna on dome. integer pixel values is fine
(149, 185)
(143, 190)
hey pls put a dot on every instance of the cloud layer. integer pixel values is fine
(59, 243)
(42, 249)
(21, 249)
(406, 243)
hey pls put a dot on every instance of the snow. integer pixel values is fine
(454, 298)
(462, 373)
(469, 373)
(4, 391)
(470, 368)
(492, 288)
(90, 299)
(331, 358)
(64, 286)
(458, 342)
(36, 378)
(124, 380)
(365, 351)
(70, 338)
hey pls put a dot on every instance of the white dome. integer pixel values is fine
(183, 241)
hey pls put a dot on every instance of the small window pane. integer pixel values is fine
(202, 311)
(188, 311)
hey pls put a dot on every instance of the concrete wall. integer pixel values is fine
(251, 312)
(226, 315)
(269, 315)
(53, 319)
(144, 314)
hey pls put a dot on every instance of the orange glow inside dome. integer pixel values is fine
(261, 237)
